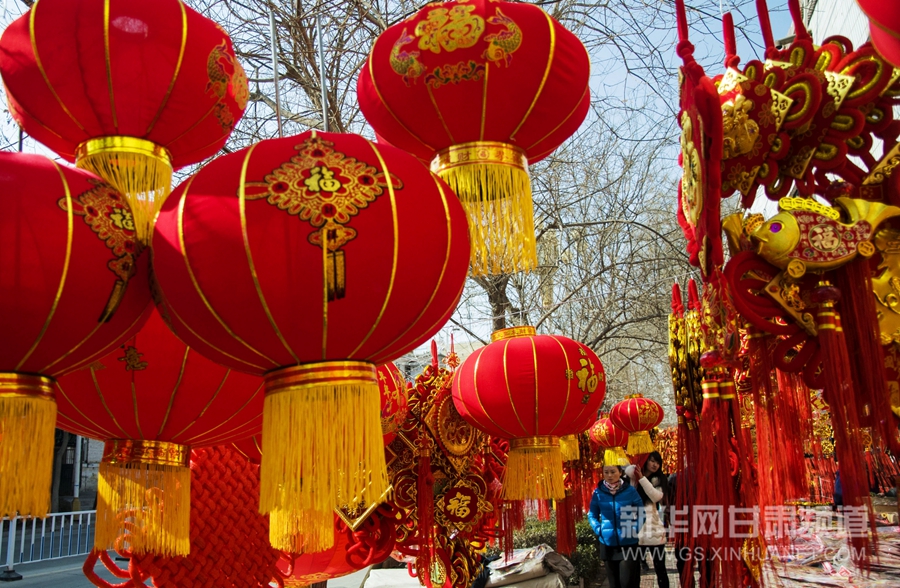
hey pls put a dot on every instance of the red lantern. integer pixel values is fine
(611, 438)
(530, 389)
(884, 26)
(152, 400)
(71, 288)
(311, 259)
(124, 88)
(394, 400)
(637, 415)
(480, 89)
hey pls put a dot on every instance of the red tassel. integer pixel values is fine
(863, 334)
(513, 520)
(543, 510)
(706, 479)
(566, 540)
(789, 438)
(425, 512)
(839, 393)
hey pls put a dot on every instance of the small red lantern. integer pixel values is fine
(637, 415)
(611, 438)
(152, 400)
(530, 389)
(126, 89)
(295, 259)
(72, 287)
(394, 400)
(480, 89)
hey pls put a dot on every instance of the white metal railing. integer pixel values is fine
(59, 535)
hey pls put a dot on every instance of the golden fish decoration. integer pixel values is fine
(809, 236)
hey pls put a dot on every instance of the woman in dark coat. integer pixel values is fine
(614, 514)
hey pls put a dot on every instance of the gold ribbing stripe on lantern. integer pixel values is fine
(322, 437)
(144, 497)
(512, 333)
(27, 422)
(307, 531)
(568, 445)
(491, 180)
(139, 169)
(534, 469)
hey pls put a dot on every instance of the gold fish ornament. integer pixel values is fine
(807, 235)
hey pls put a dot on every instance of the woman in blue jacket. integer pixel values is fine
(614, 514)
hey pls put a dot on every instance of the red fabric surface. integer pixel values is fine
(476, 71)
(167, 393)
(529, 386)
(186, 97)
(636, 414)
(606, 435)
(229, 538)
(50, 306)
(406, 258)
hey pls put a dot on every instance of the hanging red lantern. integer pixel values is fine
(611, 438)
(322, 237)
(481, 90)
(884, 26)
(152, 400)
(637, 415)
(394, 400)
(71, 288)
(530, 389)
(124, 88)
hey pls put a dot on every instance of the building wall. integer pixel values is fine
(825, 18)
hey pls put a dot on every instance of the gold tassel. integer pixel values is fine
(615, 456)
(492, 183)
(568, 445)
(27, 422)
(144, 498)
(534, 470)
(639, 443)
(140, 170)
(322, 441)
(308, 531)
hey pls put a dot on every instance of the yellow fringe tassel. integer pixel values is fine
(144, 508)
(307, 531)
(497, 200)
(534, 473)
(140, 170)
(639, 443)
(322, 447)
(26, 454)
(615, 456)
(569, 447)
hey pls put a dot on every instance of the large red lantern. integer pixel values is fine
(152, 400)
(71, 288)
(611, 438)
(125, 88)
(637, 415)
(530, 389)
(884, 26)
(481, 90)
(310, 260)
